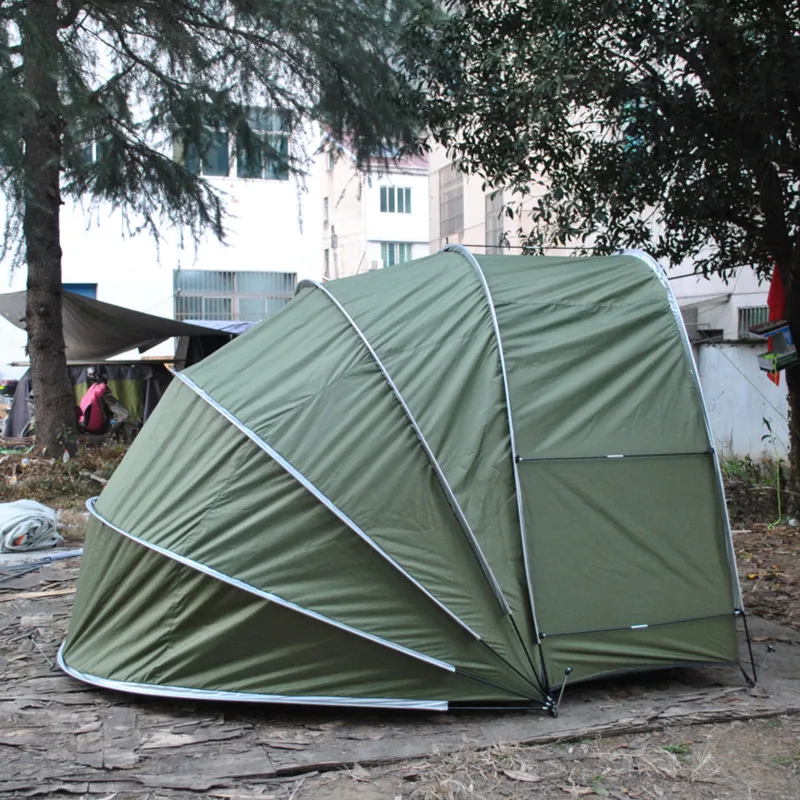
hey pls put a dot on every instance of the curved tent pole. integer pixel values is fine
(320, 496)
(440, 476)
(687, 347)
(269, 596)
(473, 262)
(184, 693)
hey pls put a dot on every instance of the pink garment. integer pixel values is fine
(93, 417)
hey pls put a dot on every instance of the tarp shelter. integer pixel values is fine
(447, 482)
(94, 330)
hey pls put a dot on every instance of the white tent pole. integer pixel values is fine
(185, 693)
(437, 470)
(473, 262)
(687, 348)
(320, 496)
(272, 598)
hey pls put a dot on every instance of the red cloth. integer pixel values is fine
(776, 302)
(93, 417)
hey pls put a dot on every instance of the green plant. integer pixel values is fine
(679, 749)
(742, 469)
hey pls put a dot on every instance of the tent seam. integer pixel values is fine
(473, 262)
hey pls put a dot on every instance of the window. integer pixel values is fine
(395, 200)
(325, 211)
(749, 316)
(262, 151)
(451, 201)
(395, 253)
(93, 152)
(83, 289)
(331, 159)
(244, 296)
(494, 222)
(690, 320)
(215, 162)
(326, 265)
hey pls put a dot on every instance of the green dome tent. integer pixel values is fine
(452, 481)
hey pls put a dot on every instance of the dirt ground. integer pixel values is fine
(26, 474)
(749, 759)
(769, 572)
(692, 734)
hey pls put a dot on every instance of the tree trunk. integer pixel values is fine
(53, 396)
(791, 280)
(793, 477)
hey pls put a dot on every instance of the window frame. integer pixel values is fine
(451, 201)
(395, 199)
(747, 316)
(401, 253)
(495, 231)
(203, 290)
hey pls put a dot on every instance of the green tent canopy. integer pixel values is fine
(449, 482)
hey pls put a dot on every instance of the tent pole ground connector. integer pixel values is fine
(769, 651)
(751, 680)
(554, 706)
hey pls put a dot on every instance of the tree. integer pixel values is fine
(671, 125)
(125, 77)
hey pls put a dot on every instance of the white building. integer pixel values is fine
(271, 245)
(371, 218)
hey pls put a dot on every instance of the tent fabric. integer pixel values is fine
(94, 330)
(451, 482)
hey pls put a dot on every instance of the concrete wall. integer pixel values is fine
(717, 302)
(739, 396)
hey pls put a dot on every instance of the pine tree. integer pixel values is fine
(128, 77)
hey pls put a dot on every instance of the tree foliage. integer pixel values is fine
(671, 125)
(133, 74)
(128, 78)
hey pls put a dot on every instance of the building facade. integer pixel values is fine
(374, 217)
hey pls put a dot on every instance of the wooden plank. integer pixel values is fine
(34, 595)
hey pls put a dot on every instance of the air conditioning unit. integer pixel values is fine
(376, 264)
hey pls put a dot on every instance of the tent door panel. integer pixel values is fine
(624, 543)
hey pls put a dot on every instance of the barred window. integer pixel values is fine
(243, 296)
(451, 201)
(749, 316)
(494, 222)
